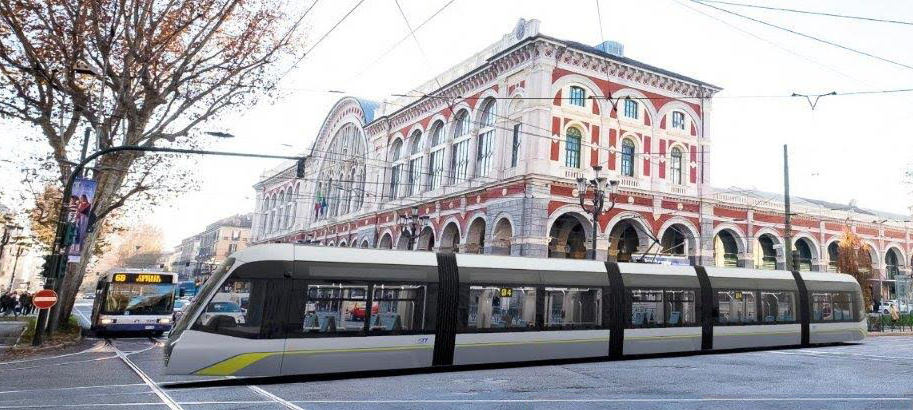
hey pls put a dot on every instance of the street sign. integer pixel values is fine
(44, 299)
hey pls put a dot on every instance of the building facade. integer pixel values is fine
(197, 256)
(490, 151)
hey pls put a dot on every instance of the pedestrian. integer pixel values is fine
(26, 301)
(9, 304)
(4, 304)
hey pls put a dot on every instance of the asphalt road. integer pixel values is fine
(127, 373)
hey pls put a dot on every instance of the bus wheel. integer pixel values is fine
(158, 333)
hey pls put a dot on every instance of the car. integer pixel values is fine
(222, 308)
(358, 312)
(885, 306)
(89, 296)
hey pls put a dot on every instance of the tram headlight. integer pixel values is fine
(164, 321)
(108, 321)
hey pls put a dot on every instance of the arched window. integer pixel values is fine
(459, 160)
(572, 148)
(415, 163)
(627, 158)
(436, 162)
(675, 166)
(631, 108)
(486, 145)
(345, 156)
(577, 96)
(396, 170)
(280, 222)
(678, 120)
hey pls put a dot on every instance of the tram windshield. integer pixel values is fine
(139, 299)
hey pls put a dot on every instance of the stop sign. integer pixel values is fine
(44, 299)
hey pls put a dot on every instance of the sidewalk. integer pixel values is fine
(890, 333)
(10, 330)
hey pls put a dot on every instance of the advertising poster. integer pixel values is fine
(81, 201)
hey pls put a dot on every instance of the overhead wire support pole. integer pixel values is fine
(787, 234)
(59, 247)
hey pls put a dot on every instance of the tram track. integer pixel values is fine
(162, 395)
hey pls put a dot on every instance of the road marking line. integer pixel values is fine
(285, 403)
(168, 401)
(97, 346)
(88, 322)
(73, 388)
(632, 400)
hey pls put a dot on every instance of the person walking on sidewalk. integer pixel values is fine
(25, 300)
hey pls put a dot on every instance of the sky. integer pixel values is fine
(850, 147)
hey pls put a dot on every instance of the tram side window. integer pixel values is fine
(736, 307)
(679, 307)
(493, 308)
(397, 309)
(573, 308)
(647, 308)
(778, 307)
(832, 306)
(236, 309)
(334, 309)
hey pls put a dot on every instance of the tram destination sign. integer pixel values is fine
(142, 278)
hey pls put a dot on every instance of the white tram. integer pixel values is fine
(315, 310)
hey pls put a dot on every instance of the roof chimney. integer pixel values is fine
(612, 47)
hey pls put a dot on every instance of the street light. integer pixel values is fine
(411, 225)
(600, 186)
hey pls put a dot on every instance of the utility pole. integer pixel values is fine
(788, 231)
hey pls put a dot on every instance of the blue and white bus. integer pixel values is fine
(129, 300)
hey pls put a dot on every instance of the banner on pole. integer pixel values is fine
(80, 204)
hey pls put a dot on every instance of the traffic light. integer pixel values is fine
(53, 267)
(299, 171)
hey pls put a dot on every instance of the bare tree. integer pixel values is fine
(855, 259)
(137, 72)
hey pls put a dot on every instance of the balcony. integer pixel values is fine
(629, 182)
(678, 189)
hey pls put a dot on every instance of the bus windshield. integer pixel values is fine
(139, 299)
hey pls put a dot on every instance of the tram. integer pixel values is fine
(128, 300)
(316, 310)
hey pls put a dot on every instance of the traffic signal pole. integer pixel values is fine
(55, 277)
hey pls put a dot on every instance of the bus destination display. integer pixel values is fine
(141, 278)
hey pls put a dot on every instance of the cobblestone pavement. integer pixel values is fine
(127, 373)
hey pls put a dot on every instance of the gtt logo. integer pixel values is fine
(422, 340)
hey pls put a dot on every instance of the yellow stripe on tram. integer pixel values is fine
(229, 366)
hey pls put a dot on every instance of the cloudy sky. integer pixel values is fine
(848, 147)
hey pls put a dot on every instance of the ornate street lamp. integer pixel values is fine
(411, 225)
(600, 186)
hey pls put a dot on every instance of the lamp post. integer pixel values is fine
(411, 225)
(600, 186)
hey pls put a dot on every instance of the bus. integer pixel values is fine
(128, 300)
(186, 289)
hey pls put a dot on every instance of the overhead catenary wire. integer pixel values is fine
(808, 36)
(809, 12)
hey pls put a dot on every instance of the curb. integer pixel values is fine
(880, 334)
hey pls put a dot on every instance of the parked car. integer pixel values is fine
(885, 306)
(222, 308)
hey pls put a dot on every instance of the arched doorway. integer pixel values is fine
(425, 241)
(766, 255)
(500, 241)
(365, 244)
(833, 256)
(803, 256)
(403, 242)
(450, 238)
(386, 242)
(726, 249)
(567, 238)
(475, 239)
(626, 239)
(673, 241)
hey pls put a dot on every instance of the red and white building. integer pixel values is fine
(490, 152)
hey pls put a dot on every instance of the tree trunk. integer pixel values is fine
(108, 184)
